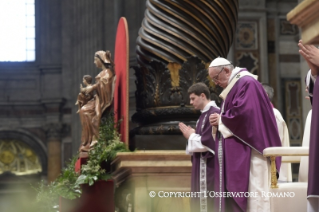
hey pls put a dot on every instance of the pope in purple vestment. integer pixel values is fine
(201, 146)
(248, 126)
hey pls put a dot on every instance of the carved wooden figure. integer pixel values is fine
(91, 112)
(84, 97)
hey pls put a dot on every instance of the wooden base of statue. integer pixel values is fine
(98, 198)
(83, 157)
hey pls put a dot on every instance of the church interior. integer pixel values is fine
(40, 129)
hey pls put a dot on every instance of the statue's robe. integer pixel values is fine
(248, 126)
(201, 145)
(91, 112)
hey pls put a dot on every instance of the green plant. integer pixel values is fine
(64, 186)
(67, 185)
(105, 150)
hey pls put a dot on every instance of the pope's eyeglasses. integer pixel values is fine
(215, 79)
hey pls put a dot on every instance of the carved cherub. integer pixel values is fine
(84, 96)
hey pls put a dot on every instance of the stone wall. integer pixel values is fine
(38, 95)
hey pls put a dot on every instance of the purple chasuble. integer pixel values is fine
(313, 172)
(248, 114)
(204, 129)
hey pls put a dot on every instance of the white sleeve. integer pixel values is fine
(285, 168)
(195, 144)
(310, 77)
(280, 125)
(223, 129)
(313, 77)
(282, 128)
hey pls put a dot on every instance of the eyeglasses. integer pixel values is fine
(215, 79)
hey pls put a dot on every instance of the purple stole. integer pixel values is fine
(203, 164)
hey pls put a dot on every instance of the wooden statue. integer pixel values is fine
(91, 110)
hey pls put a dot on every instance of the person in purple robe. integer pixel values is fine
(201, 145)
(311, 54)
(247, 126)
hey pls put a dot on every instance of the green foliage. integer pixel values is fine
(105, 150)
(67, 185)
(64, 186)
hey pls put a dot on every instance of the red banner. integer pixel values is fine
(121, 93)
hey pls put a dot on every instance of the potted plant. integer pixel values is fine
(97, 171)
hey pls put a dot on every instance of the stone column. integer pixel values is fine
(53, 134)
